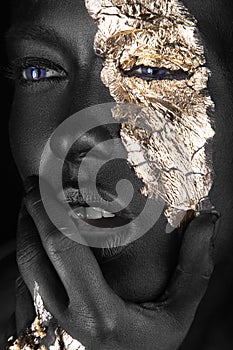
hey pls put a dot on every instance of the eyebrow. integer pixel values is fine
(35, 32)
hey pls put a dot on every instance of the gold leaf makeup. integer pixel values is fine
(155, 70)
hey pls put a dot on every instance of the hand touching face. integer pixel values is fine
(73, 288)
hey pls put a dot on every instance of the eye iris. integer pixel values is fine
(34, 73)
(151, 73)
(148, 71)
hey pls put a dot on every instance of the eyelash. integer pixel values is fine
(17, 70)
(151, 73)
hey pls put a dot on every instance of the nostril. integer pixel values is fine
(80, 150)
(82, 154)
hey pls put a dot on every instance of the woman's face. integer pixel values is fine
(56, 38)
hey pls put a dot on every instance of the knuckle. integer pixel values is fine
(48, 237)
(57, 243)
(100, 327)
(20, 285)
(104, 328)
(26, 257)
(33, 204)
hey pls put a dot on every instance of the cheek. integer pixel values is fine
(34, 116)
(143, 270)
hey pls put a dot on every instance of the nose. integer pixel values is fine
(64, 147)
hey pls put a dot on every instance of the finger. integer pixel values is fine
(25, 311)
(174, 313)
(69, 258)
(75, 264)
(34, 264)
(194, 270)
(90, 292)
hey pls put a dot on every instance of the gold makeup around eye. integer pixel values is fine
(167, 123)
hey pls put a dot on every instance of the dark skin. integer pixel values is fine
(65, 98)
(119, 284)
(106, 320)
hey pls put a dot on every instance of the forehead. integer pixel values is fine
(67, 17)
(26, 7)
(57, 24)
(214, 17)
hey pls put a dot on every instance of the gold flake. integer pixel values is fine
(167, 118)
(33, 338)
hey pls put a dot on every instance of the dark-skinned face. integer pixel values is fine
(59, 35)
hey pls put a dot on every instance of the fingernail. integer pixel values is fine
(212, 216)
(215, 218)
(215, 215)
(30, 183)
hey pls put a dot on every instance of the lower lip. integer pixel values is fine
(110, 233)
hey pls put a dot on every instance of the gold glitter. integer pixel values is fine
(34, 338)
(165, 127)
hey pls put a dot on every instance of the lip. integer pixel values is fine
(87, 198)
(73, 196)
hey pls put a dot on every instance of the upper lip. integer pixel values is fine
(86, 197)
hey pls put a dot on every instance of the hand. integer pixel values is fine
(77, 295)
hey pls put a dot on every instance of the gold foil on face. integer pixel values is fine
(165, 126)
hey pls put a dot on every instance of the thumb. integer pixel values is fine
(194, 269)
(197, 245)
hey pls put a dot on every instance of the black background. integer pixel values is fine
(10, 181)
(220, 322)
(11, 188)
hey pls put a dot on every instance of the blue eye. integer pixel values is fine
(36, 73)
(151, 73)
